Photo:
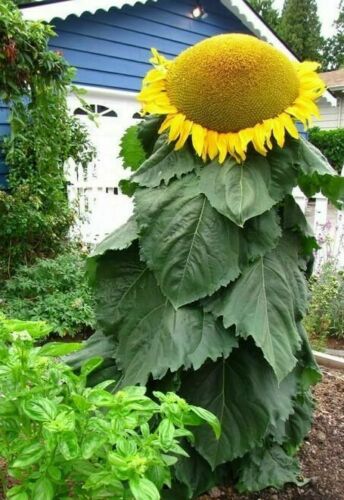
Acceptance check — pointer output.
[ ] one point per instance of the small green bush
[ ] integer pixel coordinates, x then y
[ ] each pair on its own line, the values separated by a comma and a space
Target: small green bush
53, 290
326, 309
61, 439
331, 144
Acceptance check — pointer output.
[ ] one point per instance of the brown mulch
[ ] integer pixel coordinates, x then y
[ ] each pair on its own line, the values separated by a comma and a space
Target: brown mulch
322, 455
334, 343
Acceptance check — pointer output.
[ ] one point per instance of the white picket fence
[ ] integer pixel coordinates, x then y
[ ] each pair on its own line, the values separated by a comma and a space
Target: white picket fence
101, 208
328, 225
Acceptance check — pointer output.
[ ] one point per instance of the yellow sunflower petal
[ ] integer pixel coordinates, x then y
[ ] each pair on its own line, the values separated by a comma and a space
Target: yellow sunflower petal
166, 123
222, 147
307, 67
157, 58
154, 75
310, 108
235, 146
198, 133
258, 139
268, 127
184, 134
278, 131
176, 126
289, 125
212, 144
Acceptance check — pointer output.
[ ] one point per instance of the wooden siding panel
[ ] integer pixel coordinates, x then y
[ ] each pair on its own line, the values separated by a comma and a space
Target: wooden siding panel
330, 117
97, 62
124, 37
93, 45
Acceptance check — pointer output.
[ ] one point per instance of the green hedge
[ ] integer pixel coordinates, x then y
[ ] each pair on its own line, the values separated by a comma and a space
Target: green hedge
331, 144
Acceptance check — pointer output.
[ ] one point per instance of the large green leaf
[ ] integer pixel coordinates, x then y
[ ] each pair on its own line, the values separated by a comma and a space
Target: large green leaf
192, 249
262, 234
317, 175
116, 274
310, 372
294, 220
97, 345
292, 432
120, 239
261, 305
215, 341
194, 472
154, 337
265, 467
241, 192
288, 253
165, 164
243, 393
147, 132
312, 160
131, 149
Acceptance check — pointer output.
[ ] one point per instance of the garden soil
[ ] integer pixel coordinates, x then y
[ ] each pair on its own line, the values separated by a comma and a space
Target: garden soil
321, 456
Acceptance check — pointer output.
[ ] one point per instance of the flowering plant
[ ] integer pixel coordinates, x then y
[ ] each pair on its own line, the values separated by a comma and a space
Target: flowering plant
204, 288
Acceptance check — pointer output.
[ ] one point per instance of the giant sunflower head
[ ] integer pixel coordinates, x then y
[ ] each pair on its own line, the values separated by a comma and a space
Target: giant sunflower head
229, 91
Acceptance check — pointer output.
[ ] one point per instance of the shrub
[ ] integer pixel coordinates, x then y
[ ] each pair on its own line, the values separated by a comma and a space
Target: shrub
326, 309
54, 290
34, 83
62, 439
331, 144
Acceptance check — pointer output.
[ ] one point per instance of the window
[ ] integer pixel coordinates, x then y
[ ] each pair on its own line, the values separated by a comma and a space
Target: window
98, 109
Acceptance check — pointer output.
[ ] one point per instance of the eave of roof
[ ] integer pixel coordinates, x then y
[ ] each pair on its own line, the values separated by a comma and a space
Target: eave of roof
61, 10
334, 79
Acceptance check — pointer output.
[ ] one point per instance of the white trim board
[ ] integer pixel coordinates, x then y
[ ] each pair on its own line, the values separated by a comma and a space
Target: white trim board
99, 91
61, 10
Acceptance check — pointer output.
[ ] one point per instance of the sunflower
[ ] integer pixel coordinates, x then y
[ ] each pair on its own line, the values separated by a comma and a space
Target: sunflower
229, 91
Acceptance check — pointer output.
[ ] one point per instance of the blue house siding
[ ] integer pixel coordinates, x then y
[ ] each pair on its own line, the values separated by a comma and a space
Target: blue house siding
112, 49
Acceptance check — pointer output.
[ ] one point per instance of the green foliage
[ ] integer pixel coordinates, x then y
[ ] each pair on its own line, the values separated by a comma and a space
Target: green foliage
53, 290
204, 291
261, 304
131, 149
241, 192
300, 28
34, 214
333, 53
186, 241
151, 174
331, 144
245, 414
317, 175
265, 8
267, 467
325, 316
60, 438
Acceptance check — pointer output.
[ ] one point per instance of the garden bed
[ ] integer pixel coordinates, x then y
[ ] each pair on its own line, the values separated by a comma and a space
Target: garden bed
322, 455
